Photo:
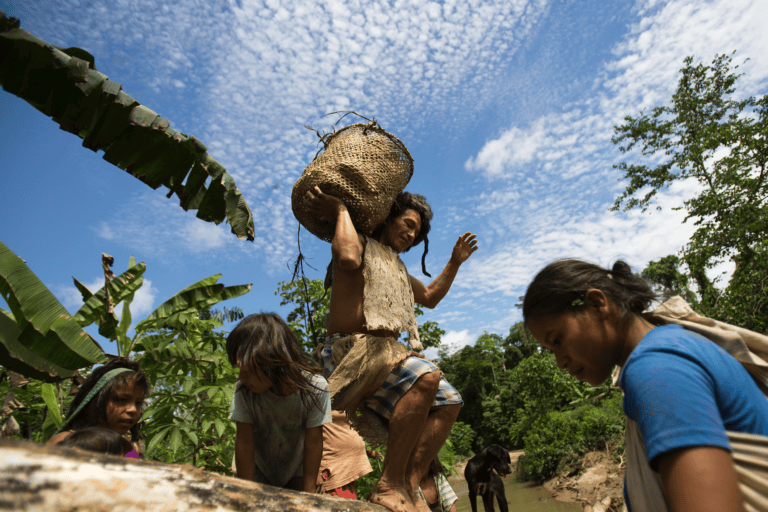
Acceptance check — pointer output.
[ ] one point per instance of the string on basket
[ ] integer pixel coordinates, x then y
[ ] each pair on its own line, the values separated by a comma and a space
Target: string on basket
299, 268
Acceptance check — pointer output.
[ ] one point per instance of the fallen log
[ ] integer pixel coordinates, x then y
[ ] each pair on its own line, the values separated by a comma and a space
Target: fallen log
36, 477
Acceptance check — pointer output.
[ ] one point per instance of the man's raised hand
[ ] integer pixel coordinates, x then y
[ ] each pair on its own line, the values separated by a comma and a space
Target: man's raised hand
325, 205
465, 246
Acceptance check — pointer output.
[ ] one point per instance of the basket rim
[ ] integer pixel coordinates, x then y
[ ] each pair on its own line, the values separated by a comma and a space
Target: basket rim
366, 126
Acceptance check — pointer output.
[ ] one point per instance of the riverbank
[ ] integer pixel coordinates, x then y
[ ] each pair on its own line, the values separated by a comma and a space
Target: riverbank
595, 486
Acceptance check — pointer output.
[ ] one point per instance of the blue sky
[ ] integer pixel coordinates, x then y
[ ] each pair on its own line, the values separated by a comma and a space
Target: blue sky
506, 106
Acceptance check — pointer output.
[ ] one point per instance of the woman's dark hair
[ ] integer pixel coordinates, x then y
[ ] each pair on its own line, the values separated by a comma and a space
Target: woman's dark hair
265, 341
562, 286
98, 439
418, 203
95, 413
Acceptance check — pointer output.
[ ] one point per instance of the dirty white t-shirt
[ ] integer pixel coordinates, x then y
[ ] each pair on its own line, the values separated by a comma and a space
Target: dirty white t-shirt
279, 424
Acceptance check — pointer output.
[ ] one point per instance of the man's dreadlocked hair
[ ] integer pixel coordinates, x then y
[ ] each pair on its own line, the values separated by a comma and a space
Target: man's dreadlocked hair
418, 203
404, 201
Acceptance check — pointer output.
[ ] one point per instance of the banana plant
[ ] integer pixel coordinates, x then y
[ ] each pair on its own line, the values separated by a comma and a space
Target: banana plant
174, 313
63, 83
38, 337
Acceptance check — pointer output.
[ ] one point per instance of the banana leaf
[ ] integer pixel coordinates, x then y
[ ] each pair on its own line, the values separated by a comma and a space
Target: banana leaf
64, 84
120, 288
195, 297
48, 343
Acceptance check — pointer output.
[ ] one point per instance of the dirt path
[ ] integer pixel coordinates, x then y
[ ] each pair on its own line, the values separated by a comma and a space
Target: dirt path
597, 486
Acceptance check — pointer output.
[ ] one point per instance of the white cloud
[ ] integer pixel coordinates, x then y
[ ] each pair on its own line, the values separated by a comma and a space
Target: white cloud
143, 300
552, 181
452, 341
104, 231
201, 236
71, 297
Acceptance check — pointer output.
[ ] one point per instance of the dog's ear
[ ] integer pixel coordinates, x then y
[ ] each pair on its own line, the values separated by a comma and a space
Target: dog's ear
499, 452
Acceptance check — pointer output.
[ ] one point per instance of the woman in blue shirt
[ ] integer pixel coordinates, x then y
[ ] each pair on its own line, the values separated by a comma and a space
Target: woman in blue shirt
681, 390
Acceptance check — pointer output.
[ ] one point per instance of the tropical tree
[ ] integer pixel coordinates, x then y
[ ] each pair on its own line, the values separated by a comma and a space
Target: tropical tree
667, 279
708, 136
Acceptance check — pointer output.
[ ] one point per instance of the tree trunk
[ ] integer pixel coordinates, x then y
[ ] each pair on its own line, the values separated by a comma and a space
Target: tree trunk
57, 479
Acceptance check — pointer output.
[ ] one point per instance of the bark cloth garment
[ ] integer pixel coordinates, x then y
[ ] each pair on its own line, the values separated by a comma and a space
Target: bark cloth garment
378, 371
749, 452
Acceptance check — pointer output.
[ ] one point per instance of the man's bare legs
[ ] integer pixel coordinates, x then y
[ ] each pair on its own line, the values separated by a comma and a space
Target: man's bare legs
405, 428
432, 438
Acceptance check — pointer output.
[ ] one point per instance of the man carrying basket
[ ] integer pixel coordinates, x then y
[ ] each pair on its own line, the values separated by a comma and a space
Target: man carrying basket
371, 301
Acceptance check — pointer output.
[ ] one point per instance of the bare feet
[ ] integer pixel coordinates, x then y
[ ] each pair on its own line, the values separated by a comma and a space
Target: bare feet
395, 498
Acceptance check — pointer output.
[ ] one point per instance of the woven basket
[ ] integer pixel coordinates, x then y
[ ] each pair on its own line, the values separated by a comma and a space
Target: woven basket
362, 165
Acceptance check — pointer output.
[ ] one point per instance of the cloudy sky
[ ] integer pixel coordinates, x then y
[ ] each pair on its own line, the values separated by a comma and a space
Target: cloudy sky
507, 107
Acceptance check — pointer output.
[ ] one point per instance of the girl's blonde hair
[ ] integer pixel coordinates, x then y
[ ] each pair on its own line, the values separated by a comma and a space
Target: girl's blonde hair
265, 341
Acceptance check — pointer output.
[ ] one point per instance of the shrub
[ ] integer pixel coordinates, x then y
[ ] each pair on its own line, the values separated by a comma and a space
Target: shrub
557, 438
461, 438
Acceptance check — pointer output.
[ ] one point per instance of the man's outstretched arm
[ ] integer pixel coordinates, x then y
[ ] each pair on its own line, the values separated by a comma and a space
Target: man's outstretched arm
347, 246
430, 296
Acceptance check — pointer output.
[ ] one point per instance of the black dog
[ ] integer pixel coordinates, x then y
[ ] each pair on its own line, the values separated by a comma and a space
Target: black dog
483, 481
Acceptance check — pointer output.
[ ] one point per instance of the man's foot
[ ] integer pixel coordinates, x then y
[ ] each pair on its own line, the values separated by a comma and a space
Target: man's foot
395, 498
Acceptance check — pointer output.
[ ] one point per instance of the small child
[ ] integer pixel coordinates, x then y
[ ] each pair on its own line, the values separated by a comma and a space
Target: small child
683, 393
280, 404
100, 440
111, 397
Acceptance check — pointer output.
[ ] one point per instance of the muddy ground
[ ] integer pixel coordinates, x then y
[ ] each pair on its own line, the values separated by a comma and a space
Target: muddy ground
596, 485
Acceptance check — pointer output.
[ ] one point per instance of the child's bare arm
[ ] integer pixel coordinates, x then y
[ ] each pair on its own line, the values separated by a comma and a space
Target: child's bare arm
244, 451
313, 454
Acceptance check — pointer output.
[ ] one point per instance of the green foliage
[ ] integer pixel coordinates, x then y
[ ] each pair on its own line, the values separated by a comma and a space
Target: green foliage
745, 301
33, 416
38, 337
183, 354
63, 83
718, 141
430, 333
667, 280
558, 438
365, 483
186, 421
536, 387
516, 396
461, 438
304, 293
506, 385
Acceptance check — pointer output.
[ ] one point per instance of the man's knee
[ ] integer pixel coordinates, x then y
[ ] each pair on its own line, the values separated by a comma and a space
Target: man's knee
431, 379
426, 384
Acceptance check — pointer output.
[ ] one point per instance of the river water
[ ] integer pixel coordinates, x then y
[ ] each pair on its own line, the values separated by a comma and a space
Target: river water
521, 497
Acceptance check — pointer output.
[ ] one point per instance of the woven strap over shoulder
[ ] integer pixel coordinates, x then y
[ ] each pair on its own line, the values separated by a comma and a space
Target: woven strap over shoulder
747, 347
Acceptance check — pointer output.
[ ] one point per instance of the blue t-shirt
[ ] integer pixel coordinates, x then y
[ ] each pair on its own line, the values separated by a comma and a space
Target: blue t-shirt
683, 390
